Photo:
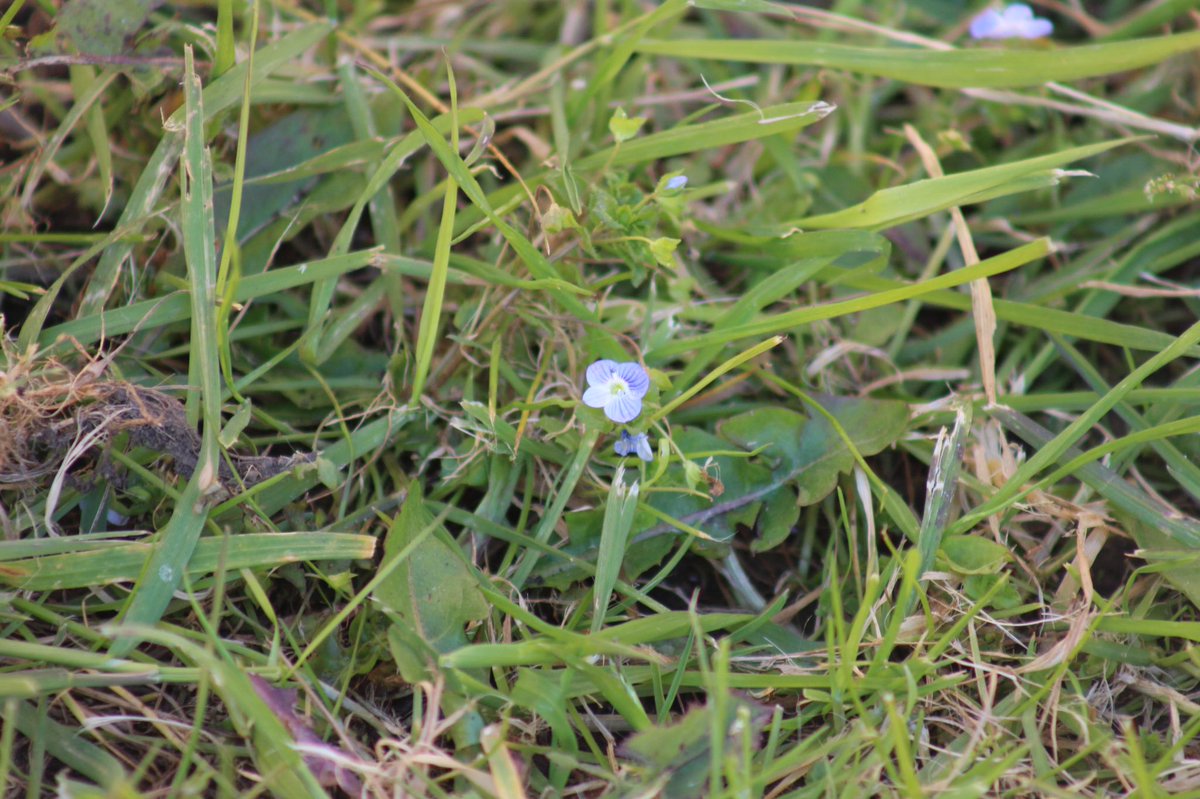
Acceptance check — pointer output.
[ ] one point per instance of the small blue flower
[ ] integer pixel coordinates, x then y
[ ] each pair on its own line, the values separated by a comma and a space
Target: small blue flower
618, 388
1014, 22
636, 444
677, 182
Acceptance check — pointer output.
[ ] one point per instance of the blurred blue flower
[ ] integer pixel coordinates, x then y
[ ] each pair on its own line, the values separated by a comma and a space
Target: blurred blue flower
677, 182
636, 444
618, 388
1014, 22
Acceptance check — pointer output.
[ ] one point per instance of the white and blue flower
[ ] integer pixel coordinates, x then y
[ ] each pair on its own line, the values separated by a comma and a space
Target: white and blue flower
618, 388
1013, 22
636, 444
676, 183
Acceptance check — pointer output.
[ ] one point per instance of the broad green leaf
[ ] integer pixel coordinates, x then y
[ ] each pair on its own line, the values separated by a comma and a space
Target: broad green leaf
738, 495
662, 249
286, 144
810, 449
804, 454
236, 424
682, 751
623, 127
958, 69
977, 586
779, 516
1178, 567
972, 554
102, 27
432, 592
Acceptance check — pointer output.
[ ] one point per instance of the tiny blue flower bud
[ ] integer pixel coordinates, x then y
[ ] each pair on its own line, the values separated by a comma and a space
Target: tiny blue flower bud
677, 182
636, 444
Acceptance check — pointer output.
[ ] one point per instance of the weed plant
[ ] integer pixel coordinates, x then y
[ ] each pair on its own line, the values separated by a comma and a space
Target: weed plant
624, 398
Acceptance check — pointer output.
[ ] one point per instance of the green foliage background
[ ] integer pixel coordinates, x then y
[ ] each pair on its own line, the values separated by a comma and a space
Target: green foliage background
298, 299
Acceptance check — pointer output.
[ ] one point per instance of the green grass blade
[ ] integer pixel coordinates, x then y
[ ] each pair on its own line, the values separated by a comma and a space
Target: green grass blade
1057, 448
941, 488
895, 206
782, 322
149, 314
1030, 314
563, 491
104, 565
1107, 483
431, 310
165, 568
618, 519
949, 69
222, 94
66, 744
690, 138
84, 103
533, 259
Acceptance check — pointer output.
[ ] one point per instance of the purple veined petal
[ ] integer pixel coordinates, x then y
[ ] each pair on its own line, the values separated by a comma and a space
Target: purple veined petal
597, 396
642, 441
984, 26
623, 407
624, 445
635, 377
600, 372
1037, 29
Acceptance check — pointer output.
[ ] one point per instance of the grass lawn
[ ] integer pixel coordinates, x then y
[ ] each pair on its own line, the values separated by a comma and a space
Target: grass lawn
625, 398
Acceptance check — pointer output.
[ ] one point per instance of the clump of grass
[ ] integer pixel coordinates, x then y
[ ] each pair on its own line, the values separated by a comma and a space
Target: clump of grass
300, 495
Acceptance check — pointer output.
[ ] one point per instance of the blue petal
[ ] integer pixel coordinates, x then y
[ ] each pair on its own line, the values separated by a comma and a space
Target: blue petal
597, 396
984, 25
624, 407
1018, 14
624, 445
600, 372
635, 376
1038, 28
677, 182
643, 447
